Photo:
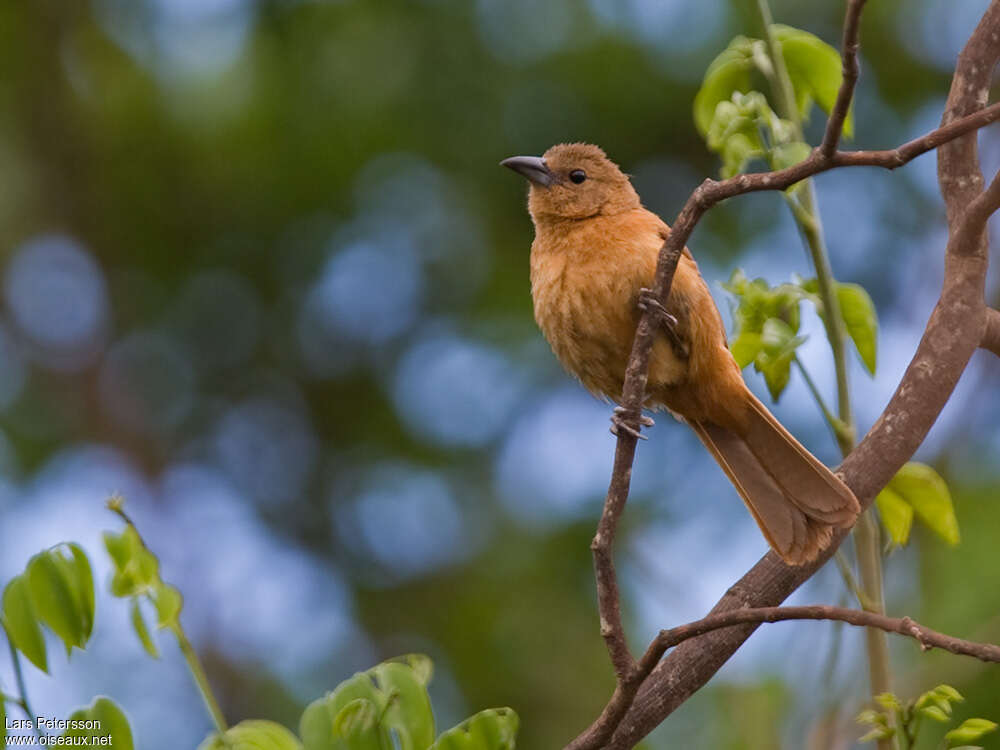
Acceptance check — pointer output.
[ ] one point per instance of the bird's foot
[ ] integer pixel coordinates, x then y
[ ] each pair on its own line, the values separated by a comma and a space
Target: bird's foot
649, 302
622, 417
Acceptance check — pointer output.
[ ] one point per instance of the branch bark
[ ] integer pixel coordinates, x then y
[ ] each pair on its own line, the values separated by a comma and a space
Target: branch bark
667, 639
991, 336
953, 332
926, 637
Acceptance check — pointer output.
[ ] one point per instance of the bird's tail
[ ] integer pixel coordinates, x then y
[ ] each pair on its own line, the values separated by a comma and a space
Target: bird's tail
795, 499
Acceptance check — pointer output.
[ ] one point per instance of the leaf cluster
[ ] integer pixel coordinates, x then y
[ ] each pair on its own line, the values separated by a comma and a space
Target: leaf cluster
766, 324
737, 120
901, 722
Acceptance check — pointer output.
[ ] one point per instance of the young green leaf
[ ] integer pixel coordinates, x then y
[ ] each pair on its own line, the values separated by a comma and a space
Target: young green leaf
492, 729
728, 72
21, 623
142, 630
356, 726
789, 154
136, 568
861, 321
896, 515
926, 491
969, 731
53, 599
408, 711
774, 361
252, 734
935, 712
746, 347
168, 602
815, 69
102, 718
317, 726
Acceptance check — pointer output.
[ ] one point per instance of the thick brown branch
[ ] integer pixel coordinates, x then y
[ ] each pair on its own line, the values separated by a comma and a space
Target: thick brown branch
991, 335
667, 639
849, 55
952, 334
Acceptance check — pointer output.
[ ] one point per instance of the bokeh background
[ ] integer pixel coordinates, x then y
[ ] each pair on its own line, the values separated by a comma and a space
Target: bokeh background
262, 275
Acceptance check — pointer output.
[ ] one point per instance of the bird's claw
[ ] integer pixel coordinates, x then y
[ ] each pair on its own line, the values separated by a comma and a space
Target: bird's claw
648, 301
620, 421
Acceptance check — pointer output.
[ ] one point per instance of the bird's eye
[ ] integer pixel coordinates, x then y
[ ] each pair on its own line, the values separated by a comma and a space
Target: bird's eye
577, 176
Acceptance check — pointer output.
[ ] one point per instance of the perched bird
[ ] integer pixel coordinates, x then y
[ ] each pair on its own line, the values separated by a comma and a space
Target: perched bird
592, 263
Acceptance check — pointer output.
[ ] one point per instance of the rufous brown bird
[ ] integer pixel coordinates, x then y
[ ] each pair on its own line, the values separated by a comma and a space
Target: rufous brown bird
592, 263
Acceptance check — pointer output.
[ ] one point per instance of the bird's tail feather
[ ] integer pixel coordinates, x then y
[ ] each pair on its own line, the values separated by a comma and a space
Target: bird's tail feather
795, 499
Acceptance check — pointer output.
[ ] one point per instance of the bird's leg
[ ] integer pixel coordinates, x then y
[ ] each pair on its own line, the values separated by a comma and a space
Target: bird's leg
649, 302
621, 418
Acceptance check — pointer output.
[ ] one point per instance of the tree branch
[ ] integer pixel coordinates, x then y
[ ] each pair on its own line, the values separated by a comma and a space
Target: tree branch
954, 331
926, 637
667, 639
991, 336
849, 70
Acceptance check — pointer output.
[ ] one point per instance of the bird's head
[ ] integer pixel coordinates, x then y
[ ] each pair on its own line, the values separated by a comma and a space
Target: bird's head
574, 181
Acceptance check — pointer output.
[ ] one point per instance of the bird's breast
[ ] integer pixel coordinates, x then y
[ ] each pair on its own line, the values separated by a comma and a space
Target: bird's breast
585, 305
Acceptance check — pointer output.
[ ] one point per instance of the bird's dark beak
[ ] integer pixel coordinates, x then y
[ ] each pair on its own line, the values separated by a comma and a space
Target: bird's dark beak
531, 167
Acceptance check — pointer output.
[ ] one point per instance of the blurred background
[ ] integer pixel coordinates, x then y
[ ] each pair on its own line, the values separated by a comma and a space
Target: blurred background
262, 275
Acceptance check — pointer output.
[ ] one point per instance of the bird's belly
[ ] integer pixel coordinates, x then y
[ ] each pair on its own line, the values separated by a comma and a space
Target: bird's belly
595, 348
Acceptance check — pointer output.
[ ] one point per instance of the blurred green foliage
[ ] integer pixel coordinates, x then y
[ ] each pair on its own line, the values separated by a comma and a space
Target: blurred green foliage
224, 165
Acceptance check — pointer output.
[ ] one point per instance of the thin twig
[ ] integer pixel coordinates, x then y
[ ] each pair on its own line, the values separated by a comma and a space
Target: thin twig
849, 67
991, 334
926, 637
22, 688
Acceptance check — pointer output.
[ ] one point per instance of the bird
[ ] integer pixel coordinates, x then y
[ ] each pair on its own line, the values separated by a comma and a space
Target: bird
592, 265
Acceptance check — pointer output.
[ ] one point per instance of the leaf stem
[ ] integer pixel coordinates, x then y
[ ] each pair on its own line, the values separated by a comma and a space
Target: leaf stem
200, 678
22, 689
807, 216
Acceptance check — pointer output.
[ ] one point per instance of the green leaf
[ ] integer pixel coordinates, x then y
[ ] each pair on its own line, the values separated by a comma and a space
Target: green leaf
774, 360
492, 729
21, 622
252, 734
877, 733
871, 716
728, 72
738, 151
102, 718
52, 596
317, 725
141, 630
861, 321
84, 579
857, 311
935, 712
896, 515
422, 666
169, 602
969, 731
789, 154
889, 702
815, 69
408, 710
926, 491
357, 726
746, 347
136, 568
